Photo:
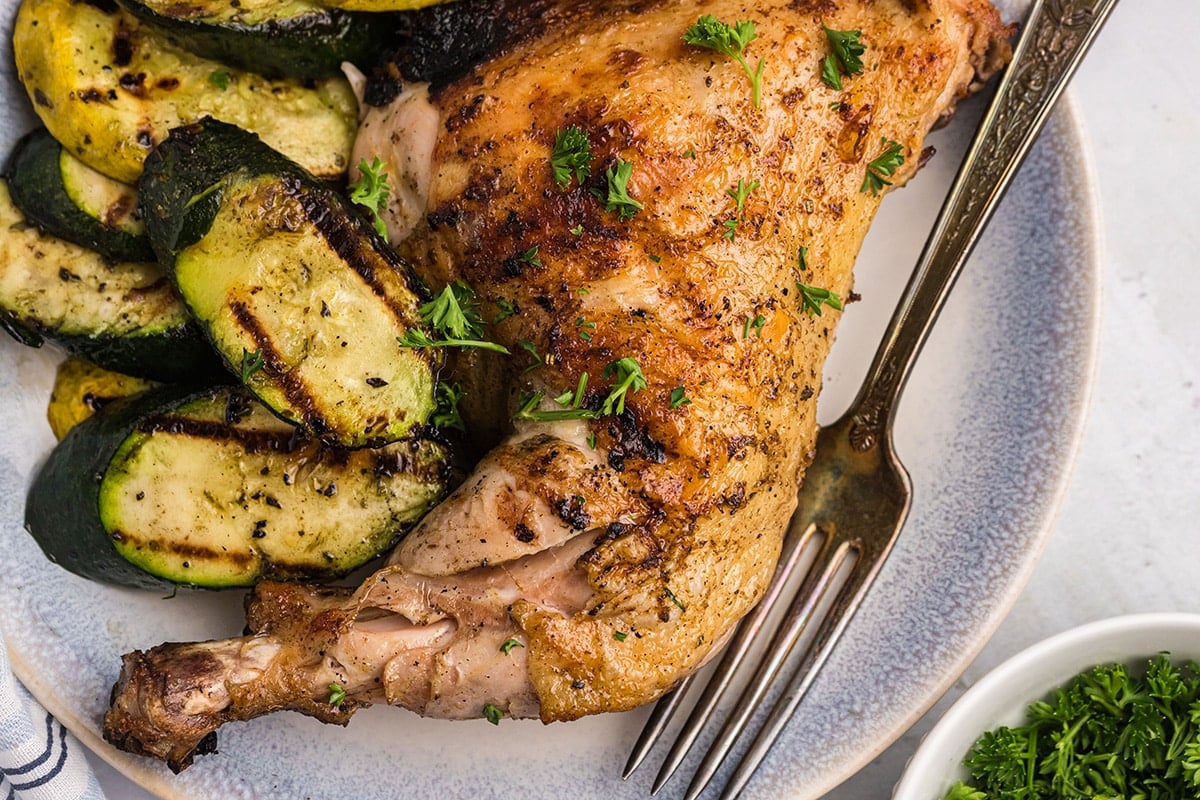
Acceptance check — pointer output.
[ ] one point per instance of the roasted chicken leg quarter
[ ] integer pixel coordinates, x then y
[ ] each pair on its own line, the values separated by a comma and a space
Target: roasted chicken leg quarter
708, 242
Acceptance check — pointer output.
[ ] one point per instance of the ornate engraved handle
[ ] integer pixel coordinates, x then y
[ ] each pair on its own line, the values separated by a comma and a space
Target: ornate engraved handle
1056, 35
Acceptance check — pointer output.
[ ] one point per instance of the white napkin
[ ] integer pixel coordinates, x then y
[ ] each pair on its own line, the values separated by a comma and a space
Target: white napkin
39, 760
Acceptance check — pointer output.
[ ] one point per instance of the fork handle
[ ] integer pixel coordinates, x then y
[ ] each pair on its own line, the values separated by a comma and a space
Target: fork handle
1056, 36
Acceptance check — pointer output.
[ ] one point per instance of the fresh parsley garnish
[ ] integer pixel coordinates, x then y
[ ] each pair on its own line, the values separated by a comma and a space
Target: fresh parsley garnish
880, 168
446, 414
509, 645
739, 194
371, 191
529, 411
572, 155
845, 58
629, 379
531, 348
802, 258
252, 362
813, 297
615, 194
674, 599
585, 328
506, 310
712, 34
756, 322
1106, 734
337, 695
679, 397
454, 315
492, 714
530, 257
219, 79
620, 636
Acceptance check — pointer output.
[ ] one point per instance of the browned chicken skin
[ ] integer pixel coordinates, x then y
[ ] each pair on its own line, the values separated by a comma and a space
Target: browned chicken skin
617, 552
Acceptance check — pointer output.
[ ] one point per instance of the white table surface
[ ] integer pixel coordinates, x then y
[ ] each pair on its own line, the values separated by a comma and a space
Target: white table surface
1126, 539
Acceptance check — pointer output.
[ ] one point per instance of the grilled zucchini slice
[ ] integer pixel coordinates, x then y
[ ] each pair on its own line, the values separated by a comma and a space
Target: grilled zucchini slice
293, 38
125, 316
294, 288
211, 489
70, 200
81, 389
109, 89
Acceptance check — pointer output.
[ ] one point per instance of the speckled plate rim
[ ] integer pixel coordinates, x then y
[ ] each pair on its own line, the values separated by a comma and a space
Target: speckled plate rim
779, 781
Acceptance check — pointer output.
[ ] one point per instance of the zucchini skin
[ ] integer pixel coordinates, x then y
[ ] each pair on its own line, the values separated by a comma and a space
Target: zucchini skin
61, 509
239, 286
36, 185
141, 330
306, 42
206, 488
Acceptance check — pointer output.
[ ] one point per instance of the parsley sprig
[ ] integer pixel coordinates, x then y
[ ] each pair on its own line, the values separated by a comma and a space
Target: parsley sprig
371, 191
629, 379
625, 371
712, 34
739, 194
813, 297
882, 167
446, 414
1107, 734
572, 155
845, 57
454, 315
615, 194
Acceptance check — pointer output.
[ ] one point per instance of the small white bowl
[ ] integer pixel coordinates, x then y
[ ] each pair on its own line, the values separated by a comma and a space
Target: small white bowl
1002, 696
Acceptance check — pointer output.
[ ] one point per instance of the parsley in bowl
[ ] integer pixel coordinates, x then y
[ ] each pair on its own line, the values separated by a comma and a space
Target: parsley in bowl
1107, 710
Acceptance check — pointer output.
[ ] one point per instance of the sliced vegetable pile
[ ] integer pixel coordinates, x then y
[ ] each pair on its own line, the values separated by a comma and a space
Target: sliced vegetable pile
238, 405
1108, 734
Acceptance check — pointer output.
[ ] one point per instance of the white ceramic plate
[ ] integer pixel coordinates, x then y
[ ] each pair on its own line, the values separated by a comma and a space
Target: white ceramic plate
988, 430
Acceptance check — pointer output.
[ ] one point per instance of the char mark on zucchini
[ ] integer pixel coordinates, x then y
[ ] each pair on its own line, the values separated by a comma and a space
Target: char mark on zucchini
163, 488
294, 288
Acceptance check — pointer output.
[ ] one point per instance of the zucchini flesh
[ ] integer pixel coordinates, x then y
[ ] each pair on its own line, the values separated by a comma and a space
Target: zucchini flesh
210, 489
292, 38
125, 316
66, 198
293, 287
109, 89
81, 389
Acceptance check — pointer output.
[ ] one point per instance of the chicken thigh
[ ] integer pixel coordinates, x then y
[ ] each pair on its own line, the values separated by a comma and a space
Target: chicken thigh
587, 564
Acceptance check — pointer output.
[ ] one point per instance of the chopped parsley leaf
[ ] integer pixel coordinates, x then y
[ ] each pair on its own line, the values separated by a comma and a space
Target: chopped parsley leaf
446, 414
620, 636
845, 58
679, 397
813, 297
507, 309
509, 645
572, 155
615, 195
712, 34
337, 695
674, 599
371, 191
252, 362
492, 714
629, 378
882, 167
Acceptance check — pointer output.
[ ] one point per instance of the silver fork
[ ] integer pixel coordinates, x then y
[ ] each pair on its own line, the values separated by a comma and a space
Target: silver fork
856, 493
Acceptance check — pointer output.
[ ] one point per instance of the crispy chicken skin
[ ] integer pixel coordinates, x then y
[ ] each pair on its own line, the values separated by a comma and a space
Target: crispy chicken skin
618, 551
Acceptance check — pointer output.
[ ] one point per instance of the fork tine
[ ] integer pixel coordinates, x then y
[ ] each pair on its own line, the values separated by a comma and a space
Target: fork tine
659, 718
812, 590
793, 548
846, 602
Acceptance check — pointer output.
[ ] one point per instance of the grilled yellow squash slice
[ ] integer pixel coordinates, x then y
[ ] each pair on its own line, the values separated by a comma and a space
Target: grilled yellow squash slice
109, 89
